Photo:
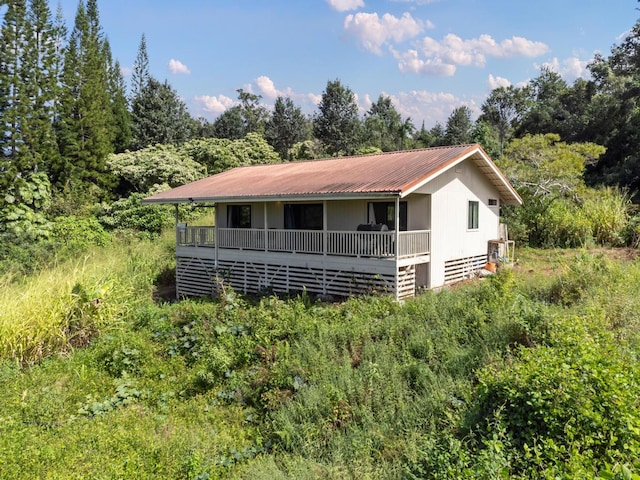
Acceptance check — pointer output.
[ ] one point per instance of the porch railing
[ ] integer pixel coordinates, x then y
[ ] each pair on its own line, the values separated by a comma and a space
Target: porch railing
341, 243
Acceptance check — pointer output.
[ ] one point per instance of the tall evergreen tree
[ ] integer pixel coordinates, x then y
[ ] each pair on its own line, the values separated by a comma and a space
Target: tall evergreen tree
42, 84
86, 117
286, 127
122, 135
140, 75
159, 116
337, 125
459, 127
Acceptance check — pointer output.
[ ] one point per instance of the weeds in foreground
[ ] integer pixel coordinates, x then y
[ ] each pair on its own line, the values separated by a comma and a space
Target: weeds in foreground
475, 382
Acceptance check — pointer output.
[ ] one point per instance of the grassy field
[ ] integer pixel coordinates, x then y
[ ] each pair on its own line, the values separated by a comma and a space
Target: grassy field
532, 373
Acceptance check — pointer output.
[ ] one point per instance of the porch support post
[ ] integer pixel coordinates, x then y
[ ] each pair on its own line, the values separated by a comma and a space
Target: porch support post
266, 228
215, 235
177, 221
324, 246
397, 242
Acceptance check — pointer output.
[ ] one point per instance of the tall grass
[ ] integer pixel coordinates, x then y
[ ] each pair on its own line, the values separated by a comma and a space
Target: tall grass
65, 305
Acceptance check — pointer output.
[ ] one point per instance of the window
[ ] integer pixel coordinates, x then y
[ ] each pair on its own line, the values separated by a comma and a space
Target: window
493, 202
385, 212
303, 216
238, 216
472, 223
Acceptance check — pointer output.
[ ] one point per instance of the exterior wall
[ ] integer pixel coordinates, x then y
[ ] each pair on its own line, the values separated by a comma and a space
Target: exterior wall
418, 212
342, 215
450, 237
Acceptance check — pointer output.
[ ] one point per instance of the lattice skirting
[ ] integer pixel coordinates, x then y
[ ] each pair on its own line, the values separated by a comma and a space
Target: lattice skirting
463, 268
198, 277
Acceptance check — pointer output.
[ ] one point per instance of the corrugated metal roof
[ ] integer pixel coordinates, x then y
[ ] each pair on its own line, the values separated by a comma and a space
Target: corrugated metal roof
395, 173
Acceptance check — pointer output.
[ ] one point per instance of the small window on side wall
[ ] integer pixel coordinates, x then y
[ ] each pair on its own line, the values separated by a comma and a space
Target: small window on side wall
238, 216
493, 202
472, 218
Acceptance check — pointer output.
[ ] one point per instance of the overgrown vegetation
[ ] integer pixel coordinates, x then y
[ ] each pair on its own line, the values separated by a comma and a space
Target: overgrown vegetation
522, 375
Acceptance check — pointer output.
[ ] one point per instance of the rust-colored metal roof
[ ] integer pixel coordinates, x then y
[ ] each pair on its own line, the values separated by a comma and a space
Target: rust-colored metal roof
393, 174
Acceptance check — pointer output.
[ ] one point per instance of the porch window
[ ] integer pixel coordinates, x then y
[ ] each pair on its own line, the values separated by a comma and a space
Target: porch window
239, 216
472, 223
303, 216
385, 212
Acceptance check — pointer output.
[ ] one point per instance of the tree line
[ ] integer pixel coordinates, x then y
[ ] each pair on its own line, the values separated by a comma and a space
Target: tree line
66, 110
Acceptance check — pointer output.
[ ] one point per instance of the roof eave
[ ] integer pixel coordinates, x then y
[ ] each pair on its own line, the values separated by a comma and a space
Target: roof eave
272, 198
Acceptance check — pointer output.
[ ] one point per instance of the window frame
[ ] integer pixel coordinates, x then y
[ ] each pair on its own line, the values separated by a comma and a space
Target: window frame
473, 215
301, 216
389, 209
239, 216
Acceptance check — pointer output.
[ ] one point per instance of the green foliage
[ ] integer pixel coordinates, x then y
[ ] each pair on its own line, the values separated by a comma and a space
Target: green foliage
22, 210
508, 377
155, 165
130, 214
77, 234
286, 127
607, 210
337, 124
219, 155
159, 116
569, 403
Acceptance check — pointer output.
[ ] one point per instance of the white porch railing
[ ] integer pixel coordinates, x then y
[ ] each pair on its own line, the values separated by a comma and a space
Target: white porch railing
341, 243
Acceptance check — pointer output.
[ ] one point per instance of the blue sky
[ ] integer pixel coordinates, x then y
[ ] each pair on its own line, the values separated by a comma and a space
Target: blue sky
429, 56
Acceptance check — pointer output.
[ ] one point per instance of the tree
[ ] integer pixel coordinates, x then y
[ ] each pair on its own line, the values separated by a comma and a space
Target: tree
85, 126
422, 138
159, 116
337, 124
140, 75
230, 124
382, 125
459, 125
254, 115
27, 94
122, 134
286, 127
555, 107
502, 110
549, 175
247, 117
220, 154
141, 170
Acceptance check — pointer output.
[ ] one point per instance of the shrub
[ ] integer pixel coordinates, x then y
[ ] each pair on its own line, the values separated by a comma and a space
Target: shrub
129, 213
569, 403
607, 210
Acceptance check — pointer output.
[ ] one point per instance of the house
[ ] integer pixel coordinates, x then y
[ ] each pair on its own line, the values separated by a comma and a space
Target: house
390, 222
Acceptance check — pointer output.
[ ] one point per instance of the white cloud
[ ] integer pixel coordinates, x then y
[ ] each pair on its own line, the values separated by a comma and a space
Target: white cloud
126, 71
345, 5
373, 31
569, 69
441, 57
267, 87
214, 105
177, 67
457, 51
496, 82
410, 62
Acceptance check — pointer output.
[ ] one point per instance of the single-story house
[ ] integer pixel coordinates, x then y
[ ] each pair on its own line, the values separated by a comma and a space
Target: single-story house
389, 222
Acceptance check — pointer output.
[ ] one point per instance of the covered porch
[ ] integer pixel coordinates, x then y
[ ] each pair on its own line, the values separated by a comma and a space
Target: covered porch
369, 244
